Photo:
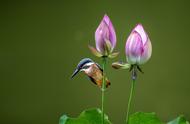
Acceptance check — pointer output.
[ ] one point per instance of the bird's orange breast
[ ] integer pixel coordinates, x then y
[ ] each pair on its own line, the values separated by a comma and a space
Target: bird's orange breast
97, 75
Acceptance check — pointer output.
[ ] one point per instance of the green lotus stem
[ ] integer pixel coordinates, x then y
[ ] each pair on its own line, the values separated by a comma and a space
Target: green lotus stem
129, 101
103, 86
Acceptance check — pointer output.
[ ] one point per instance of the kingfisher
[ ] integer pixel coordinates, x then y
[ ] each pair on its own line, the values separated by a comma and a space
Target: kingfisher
93, 70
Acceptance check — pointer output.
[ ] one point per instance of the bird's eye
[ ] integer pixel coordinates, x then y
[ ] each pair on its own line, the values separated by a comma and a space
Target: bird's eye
85, 67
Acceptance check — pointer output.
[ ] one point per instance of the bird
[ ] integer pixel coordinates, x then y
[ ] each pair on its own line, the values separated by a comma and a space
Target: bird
93, 70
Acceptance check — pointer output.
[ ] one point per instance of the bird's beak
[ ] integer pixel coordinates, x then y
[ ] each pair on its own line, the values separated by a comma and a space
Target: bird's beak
75, 73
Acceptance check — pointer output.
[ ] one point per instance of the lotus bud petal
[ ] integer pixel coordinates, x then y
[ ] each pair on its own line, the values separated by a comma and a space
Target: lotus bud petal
138, 46
105, 33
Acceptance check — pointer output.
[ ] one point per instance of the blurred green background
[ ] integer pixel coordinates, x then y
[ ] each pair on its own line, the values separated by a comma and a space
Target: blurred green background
41, 42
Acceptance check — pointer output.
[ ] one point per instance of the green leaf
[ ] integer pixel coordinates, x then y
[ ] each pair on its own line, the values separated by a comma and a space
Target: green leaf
63, 119
90, 116
179, 120
144, 118
121, 65
94, 51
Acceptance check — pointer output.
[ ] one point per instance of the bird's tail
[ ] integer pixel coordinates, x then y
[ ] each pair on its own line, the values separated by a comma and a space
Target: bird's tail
107, 83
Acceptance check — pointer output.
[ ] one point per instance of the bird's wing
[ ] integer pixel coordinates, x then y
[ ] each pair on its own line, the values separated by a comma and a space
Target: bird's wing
99, 67
92, 80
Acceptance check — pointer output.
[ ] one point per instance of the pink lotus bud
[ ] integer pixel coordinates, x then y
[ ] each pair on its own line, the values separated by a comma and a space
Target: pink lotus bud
105, 36
138, 46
